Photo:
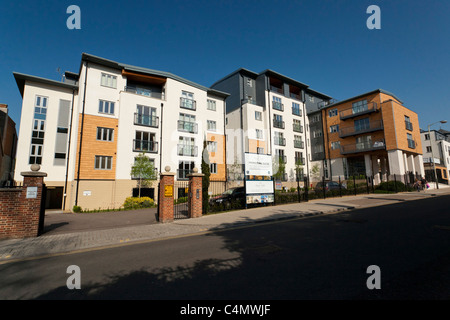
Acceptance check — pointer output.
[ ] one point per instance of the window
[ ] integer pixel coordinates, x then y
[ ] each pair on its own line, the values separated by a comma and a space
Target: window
185, 168
211, 125
103, 163
297, 126
317, 134
258, 115
335, 145
145, 141
249, 82
428, 149
362, 124
277, 104
332, 112
105, 134
278, 121
109, 80
106, 107
359, 106
38, 129
35, 154
212, 146
259, 134
211, 105
334, 128
427, 136
187, 123
187, 100
315, 118
40, 106
296, 109
213, 167
186, 147
311, 98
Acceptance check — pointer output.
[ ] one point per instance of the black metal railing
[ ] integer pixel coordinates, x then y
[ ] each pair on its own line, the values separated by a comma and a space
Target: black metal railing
278, 105
278, 124
359, 110
297, 127
146, 120
371, 126
363, 147
408, 125
279, 141
299, 144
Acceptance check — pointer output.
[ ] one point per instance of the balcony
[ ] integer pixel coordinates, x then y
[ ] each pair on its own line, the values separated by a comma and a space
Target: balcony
182, 174
188, 103
278, 141
276, 89
145, 146
411, 144
300, 161
359, 129
363, 147
189, 151
278, 124
281, 158
299, 144
144, 92
145, 120
297, 128
408, 125
296, 111
295, 96
358, 111
187, 126
277, 105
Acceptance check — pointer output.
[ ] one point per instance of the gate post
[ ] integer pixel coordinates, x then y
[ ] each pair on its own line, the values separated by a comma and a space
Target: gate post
195, 196
165, 196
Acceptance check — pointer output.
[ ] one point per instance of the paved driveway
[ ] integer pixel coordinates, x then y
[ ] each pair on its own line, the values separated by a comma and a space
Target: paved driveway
57, 222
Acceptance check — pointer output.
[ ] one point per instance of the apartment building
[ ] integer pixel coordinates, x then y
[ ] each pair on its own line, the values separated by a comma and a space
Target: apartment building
8, 145
371, 134
436, 145
266, 114
87, 130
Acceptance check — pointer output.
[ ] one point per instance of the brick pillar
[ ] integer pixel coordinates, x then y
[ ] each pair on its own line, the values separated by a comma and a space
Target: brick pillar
195, 194
165, 196
20, 208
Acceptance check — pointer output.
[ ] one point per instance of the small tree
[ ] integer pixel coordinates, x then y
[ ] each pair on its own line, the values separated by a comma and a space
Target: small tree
205, 179
315, 171
280, 169
143, 169
299, 168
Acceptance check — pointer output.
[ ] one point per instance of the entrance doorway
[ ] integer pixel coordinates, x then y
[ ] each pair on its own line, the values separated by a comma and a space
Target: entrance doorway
54, 197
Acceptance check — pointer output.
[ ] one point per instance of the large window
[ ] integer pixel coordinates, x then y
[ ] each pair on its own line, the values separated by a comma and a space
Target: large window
211, 105
109, 80
145, 142
103, 163
362, 124
211, 125
146, 116
258, 115
212, 146
105, 134
40, 106
36, 154
184, 168
334, 128
187, 100
359, 106
187, 123
332, 112
106, 107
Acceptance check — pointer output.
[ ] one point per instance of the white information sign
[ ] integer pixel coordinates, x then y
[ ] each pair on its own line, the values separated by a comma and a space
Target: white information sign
32, 192
258, 164
259, 187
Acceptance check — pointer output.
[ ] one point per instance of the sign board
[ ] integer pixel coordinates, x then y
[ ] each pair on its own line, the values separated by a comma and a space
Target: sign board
87, 193
168, 191
32, 192
259, 186
263, 198
278, 185
258, 164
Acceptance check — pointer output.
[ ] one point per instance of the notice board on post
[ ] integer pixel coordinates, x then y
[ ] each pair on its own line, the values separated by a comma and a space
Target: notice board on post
260, 188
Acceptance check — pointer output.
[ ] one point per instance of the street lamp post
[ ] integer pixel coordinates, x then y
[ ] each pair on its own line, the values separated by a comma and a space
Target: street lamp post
432, 155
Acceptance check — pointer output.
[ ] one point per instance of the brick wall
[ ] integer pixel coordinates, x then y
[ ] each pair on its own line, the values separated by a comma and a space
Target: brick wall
166, 203
19, 216
194, 203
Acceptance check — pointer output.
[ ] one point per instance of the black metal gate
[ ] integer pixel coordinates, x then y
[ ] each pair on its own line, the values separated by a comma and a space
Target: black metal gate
42, 210
180, 200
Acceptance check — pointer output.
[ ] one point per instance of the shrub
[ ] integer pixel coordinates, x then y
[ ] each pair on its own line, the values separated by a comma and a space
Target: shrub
138, 203
391, 186
76, 209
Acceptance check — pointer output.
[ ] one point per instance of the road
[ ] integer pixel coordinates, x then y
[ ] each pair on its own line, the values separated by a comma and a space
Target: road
321, 257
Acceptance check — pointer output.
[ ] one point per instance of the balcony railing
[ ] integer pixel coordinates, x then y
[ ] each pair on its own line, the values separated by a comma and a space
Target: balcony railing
145, 120
182, 174
297, 111
411, 144
299, 144
357, 111
145, 146
279, 141
363, 147
282, 158
300, 161
359, 129
188, 103
187, 126
278, 105
408, 125
144, 92
278, 124
185, 150
276, 89
298, 128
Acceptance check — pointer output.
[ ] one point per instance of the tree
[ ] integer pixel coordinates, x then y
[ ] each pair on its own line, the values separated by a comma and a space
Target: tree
143, 169
205, 179
280, 168
299, 169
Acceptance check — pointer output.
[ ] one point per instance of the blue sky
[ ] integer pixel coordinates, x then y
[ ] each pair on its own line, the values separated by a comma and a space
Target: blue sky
324, 44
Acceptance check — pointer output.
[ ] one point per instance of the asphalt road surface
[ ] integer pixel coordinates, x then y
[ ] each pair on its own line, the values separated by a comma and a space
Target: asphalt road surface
323, 257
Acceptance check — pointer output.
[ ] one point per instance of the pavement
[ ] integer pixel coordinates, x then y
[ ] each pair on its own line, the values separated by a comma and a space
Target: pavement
72, 233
